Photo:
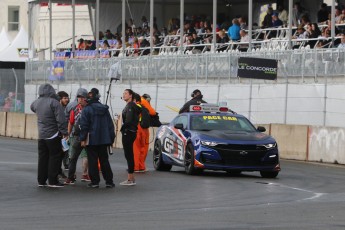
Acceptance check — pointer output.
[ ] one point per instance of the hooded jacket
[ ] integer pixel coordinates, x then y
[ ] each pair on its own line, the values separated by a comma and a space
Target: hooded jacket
50, 113
194, 101
96, 124
71, 106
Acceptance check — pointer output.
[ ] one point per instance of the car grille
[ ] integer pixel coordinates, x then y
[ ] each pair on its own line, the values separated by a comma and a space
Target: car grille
244, 155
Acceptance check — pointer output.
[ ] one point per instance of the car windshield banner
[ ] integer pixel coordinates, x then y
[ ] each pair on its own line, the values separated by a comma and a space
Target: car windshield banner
257, 68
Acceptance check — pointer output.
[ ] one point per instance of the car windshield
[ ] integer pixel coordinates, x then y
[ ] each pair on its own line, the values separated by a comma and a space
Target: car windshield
209, 122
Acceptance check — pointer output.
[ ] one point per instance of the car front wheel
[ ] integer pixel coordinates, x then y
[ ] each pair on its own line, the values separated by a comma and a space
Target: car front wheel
158, 162
189, 161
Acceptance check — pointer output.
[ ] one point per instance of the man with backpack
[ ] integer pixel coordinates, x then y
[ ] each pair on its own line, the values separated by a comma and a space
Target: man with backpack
74, 131
142, 141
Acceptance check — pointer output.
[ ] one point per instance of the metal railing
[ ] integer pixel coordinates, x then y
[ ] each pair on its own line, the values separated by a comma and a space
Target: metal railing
294, 65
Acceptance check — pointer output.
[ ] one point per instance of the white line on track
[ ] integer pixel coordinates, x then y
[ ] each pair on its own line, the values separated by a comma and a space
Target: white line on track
17, 163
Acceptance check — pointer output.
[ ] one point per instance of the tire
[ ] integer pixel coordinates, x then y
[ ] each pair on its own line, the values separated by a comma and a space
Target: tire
158, 163
189, 161
266, 174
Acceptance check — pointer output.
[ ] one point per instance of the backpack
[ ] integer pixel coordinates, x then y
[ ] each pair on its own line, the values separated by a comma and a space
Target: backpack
155, 122
145, 118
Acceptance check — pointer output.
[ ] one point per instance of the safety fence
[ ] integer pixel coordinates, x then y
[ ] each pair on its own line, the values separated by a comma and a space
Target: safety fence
301, 65
12, 96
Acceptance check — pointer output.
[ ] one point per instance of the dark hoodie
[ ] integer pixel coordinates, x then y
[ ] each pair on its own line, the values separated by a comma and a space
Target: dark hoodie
194, 101
96, 122
50, 113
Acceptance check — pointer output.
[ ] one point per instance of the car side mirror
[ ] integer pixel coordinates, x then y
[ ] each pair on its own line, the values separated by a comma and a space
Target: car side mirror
179, 126
261, 129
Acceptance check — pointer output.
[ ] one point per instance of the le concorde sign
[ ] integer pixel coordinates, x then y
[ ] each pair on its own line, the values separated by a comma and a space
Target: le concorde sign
257, 68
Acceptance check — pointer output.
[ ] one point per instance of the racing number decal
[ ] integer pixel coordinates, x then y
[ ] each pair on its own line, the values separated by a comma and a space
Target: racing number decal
173, 147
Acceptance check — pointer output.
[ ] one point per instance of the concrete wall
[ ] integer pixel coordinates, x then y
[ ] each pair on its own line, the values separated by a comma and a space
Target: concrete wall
31, 130
3, 116
292, 140
327, 144
15, 125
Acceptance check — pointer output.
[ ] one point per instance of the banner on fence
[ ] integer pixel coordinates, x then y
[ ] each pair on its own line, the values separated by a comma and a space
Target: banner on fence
257, 68
57, 71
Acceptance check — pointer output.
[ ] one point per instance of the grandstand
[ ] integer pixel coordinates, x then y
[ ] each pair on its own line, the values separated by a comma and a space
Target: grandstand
310, 70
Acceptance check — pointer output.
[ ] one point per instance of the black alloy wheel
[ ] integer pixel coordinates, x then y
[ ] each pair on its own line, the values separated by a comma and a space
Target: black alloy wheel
158, 163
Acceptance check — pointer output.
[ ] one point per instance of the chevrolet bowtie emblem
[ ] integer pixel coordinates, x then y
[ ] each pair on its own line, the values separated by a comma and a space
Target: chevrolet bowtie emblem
243, 153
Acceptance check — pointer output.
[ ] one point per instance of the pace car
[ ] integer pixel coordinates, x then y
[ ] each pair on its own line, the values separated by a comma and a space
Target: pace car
210, 137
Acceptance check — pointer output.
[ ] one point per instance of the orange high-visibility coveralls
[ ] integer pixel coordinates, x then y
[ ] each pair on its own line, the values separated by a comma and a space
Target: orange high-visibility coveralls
142, 141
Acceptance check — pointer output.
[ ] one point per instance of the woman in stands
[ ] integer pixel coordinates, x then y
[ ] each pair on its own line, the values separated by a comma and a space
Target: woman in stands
314, 32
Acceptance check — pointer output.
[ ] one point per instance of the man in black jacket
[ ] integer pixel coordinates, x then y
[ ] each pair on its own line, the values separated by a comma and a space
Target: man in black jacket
196, 100
97, 135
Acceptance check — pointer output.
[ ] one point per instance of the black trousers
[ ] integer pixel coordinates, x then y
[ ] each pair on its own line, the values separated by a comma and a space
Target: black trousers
95, 153
128, 139
49, 160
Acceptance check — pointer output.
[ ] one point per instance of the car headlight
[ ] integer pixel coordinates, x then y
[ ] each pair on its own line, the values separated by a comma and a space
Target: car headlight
270, 146
209, 143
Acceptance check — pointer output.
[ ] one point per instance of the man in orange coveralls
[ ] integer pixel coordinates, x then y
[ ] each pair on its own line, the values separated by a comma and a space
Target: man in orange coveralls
142, 141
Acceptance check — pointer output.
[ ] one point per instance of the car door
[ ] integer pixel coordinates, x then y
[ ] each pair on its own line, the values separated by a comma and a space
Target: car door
174, 142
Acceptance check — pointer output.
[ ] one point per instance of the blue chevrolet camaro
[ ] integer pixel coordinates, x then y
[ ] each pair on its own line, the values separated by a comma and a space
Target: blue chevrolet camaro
209, 137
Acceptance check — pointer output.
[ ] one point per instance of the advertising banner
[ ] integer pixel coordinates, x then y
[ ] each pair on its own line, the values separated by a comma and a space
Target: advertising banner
257, 68
57, 71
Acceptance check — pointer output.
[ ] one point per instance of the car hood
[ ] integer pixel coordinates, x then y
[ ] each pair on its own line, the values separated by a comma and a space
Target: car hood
228, 136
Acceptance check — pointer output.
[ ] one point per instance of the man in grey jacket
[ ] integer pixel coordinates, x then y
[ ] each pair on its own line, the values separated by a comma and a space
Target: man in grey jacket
52, 124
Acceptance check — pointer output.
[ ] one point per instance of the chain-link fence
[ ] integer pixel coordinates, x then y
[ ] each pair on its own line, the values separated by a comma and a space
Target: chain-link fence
12, 95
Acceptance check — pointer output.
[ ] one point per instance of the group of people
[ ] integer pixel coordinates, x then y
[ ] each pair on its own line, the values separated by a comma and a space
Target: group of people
88, 127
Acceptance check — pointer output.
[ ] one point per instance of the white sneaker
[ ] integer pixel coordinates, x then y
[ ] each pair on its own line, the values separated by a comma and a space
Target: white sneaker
128, 183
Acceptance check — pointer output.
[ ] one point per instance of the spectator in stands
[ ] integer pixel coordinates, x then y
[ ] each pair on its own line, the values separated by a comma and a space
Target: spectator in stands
135, 47
338, 16
283, 14
244, 38
222, 38
132, 25
90, 45
100, 35
109, 35
188, 29
142, 44
305, 20
298, 12
301, 33
322, 14
81, 45
276, 22
145, 23
267, 22
314, 33
105, 45
342, 44
243, 23
202, 29
197, 40
234, 30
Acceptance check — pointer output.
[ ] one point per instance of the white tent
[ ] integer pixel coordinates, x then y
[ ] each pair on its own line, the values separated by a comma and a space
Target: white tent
18, 50
4, 42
